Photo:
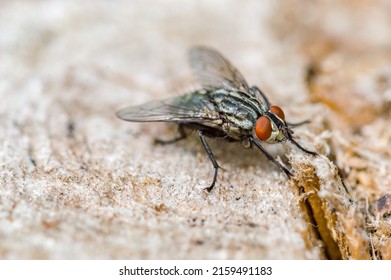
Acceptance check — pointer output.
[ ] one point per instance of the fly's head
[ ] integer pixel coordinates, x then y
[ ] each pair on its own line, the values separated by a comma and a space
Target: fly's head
272, 127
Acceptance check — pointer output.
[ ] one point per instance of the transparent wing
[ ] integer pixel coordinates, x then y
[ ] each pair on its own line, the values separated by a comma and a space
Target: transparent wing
190, 108
214, 71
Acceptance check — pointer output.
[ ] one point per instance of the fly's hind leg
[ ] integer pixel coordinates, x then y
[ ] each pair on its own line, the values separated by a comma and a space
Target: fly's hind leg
212, 159
181, 135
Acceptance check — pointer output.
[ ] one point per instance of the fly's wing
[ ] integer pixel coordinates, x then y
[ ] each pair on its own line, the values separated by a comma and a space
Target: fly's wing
214, 71
190, 108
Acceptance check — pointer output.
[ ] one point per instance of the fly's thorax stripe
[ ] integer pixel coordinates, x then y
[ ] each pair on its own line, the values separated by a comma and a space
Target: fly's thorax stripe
237, 107
240, 98
244, 123
251, 101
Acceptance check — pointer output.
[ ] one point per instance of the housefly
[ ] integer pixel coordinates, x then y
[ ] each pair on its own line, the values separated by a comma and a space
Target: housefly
225, 107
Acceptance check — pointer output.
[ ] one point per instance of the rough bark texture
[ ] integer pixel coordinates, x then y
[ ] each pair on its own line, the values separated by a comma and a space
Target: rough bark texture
76, 182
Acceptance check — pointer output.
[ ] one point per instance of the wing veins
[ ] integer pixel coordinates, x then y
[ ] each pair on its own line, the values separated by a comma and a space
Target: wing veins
170, 110
213, 70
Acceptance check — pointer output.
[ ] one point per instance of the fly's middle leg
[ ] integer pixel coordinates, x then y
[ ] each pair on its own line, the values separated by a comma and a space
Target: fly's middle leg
212, 159
182, 135
259, 93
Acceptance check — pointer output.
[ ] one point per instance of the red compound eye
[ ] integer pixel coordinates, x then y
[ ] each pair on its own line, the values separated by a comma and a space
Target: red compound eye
263, 128
278, 112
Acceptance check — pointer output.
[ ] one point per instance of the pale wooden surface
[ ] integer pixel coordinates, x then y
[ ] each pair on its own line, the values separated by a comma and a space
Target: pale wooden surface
76, 182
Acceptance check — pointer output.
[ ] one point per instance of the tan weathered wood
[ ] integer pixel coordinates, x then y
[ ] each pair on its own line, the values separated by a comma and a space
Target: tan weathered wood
76, 182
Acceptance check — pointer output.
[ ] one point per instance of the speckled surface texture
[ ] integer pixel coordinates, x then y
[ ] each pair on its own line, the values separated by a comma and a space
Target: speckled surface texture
78, 183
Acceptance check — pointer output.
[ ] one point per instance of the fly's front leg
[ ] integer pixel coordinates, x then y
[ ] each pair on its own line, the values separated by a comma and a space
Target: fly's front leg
301, 148
270, 157
212, 159
182, 135
297, 124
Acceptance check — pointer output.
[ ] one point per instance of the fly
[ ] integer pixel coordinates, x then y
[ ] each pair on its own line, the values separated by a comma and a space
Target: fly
225, 107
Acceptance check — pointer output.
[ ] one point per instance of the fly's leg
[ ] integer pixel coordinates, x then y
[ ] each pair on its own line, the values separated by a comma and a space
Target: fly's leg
182, 135
259, 92
297, 124
270, 157
301, 148
212, 159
